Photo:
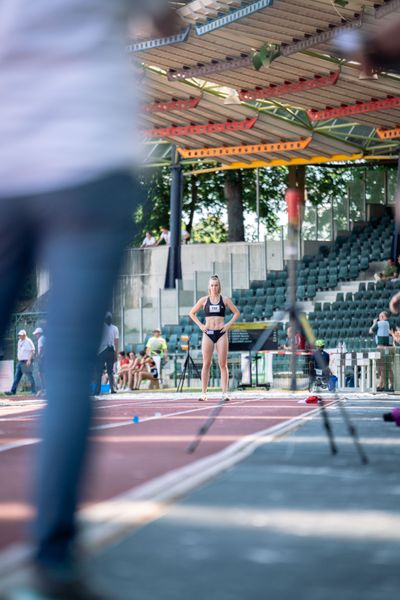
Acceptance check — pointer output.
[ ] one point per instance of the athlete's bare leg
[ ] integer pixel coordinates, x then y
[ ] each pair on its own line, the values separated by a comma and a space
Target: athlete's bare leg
207, 348
222, 351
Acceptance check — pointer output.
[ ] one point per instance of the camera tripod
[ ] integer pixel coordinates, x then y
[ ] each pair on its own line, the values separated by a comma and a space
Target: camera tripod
188, 362
298, 323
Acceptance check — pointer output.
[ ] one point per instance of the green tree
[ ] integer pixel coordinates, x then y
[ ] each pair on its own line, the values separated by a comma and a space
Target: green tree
211, 229
234, 193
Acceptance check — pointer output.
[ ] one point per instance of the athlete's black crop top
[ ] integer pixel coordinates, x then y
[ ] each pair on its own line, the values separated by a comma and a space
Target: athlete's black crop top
214, 310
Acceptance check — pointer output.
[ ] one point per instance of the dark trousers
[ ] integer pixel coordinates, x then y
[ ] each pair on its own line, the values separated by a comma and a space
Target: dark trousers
80, 233
41, 373
107, 358
23, 369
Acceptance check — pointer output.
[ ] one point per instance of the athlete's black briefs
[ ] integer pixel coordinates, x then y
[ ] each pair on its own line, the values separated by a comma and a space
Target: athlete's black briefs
214, 334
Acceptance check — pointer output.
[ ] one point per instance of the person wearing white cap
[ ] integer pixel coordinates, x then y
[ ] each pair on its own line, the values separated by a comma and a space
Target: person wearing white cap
107, 353
25, 354
41, 341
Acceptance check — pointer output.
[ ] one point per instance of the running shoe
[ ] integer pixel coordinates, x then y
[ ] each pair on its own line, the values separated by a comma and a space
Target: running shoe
203, 398
226, 397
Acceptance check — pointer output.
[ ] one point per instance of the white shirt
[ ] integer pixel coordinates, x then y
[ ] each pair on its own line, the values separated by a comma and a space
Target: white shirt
25, 348
41, 344
68, 100
109, 337
165, 236
149, 241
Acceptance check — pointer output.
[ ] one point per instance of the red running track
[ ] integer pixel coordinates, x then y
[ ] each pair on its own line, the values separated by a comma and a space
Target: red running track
124, 454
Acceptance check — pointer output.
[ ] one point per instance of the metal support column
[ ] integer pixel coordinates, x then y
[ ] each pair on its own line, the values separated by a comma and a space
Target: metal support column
265, 256
231, 274
174, 267
258, 204
141, 332
248, 265
159, 309
195, 286
177, 284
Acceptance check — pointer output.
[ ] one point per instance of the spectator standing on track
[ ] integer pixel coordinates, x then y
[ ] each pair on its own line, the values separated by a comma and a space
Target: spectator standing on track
157, 345
381, 328
319, 363
25, 354
41, 346
157, 348
108, 353
67, 152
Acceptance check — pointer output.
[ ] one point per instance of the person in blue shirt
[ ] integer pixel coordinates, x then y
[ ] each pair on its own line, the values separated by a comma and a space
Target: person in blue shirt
381, 328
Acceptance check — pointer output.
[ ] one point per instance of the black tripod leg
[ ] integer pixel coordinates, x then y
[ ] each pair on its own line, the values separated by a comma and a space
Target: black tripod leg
205, 427
303, 324
328, 427
182, 376
194, 367
353, 432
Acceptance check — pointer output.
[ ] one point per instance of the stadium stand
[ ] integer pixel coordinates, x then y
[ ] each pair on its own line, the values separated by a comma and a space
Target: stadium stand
348, 318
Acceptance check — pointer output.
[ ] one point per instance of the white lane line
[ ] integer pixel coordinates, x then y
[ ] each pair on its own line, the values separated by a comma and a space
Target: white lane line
110, 520
29, 442
15, 445
155, 418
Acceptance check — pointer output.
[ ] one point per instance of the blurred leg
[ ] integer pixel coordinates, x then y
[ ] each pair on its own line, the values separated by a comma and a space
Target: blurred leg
88, 228
17, 378
110, 357
31, 379
100, 360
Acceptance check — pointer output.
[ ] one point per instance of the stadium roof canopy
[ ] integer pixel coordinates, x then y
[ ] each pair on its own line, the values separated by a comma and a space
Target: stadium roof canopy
303, 105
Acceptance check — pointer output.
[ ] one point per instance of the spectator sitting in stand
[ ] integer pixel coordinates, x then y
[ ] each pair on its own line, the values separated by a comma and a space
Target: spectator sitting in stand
389, 272
149, 240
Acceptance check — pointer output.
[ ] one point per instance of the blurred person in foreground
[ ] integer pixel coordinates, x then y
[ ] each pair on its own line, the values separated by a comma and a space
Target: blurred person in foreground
69, 139
376, 51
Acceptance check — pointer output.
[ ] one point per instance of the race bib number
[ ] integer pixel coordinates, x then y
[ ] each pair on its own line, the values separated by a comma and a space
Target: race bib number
214, 308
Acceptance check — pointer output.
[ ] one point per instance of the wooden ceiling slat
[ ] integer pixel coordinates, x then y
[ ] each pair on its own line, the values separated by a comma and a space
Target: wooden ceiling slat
285, 20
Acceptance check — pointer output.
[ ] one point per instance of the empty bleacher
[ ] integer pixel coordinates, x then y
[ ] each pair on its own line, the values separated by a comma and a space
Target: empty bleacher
346, 319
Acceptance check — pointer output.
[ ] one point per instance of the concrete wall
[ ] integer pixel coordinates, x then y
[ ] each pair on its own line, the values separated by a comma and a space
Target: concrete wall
143, 273
140, 293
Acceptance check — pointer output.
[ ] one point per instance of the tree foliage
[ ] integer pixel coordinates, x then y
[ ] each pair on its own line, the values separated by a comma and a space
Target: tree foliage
210, 229
205, 202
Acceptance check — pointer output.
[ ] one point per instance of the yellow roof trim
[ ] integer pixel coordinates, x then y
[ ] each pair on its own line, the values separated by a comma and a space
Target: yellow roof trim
314, 160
